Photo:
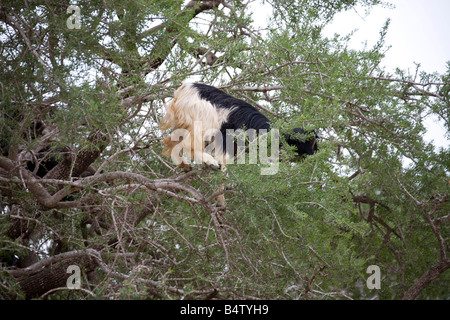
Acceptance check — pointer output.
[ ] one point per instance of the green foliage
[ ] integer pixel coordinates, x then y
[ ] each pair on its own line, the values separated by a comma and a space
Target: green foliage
375, 193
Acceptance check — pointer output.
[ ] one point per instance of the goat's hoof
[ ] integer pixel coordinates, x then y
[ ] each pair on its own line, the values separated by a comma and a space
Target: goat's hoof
214, 167
185, 167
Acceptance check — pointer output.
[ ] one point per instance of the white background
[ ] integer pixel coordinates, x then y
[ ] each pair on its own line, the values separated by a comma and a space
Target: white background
419, 32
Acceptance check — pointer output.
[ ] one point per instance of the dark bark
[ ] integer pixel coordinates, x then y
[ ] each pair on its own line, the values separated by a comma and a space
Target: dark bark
429, 276
96, 143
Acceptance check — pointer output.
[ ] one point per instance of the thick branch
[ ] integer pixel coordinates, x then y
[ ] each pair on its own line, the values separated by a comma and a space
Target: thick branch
426, 279
170, 187
33, 185
371, 202
51, 273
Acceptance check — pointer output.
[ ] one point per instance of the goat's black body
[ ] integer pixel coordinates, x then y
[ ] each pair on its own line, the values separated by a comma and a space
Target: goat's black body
304, 145
245, 116
242, 115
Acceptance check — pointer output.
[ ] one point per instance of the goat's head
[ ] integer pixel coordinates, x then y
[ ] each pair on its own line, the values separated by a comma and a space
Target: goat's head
304, 141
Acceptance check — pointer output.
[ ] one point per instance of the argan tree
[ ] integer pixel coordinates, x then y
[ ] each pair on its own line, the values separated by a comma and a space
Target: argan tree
83, 182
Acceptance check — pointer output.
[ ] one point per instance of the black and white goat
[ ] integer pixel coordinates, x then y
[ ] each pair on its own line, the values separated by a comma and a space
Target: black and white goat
199, 112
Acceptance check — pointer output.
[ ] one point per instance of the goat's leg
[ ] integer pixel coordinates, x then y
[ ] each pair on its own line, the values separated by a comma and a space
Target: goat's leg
220, 199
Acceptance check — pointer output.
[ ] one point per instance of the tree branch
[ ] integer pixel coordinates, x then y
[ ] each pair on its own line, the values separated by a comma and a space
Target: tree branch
51, 273
426, 279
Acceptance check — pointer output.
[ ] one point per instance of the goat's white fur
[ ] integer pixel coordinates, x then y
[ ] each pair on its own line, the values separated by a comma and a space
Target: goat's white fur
199, 120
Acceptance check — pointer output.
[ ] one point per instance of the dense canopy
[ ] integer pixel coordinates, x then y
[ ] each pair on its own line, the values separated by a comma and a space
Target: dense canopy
82, 90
